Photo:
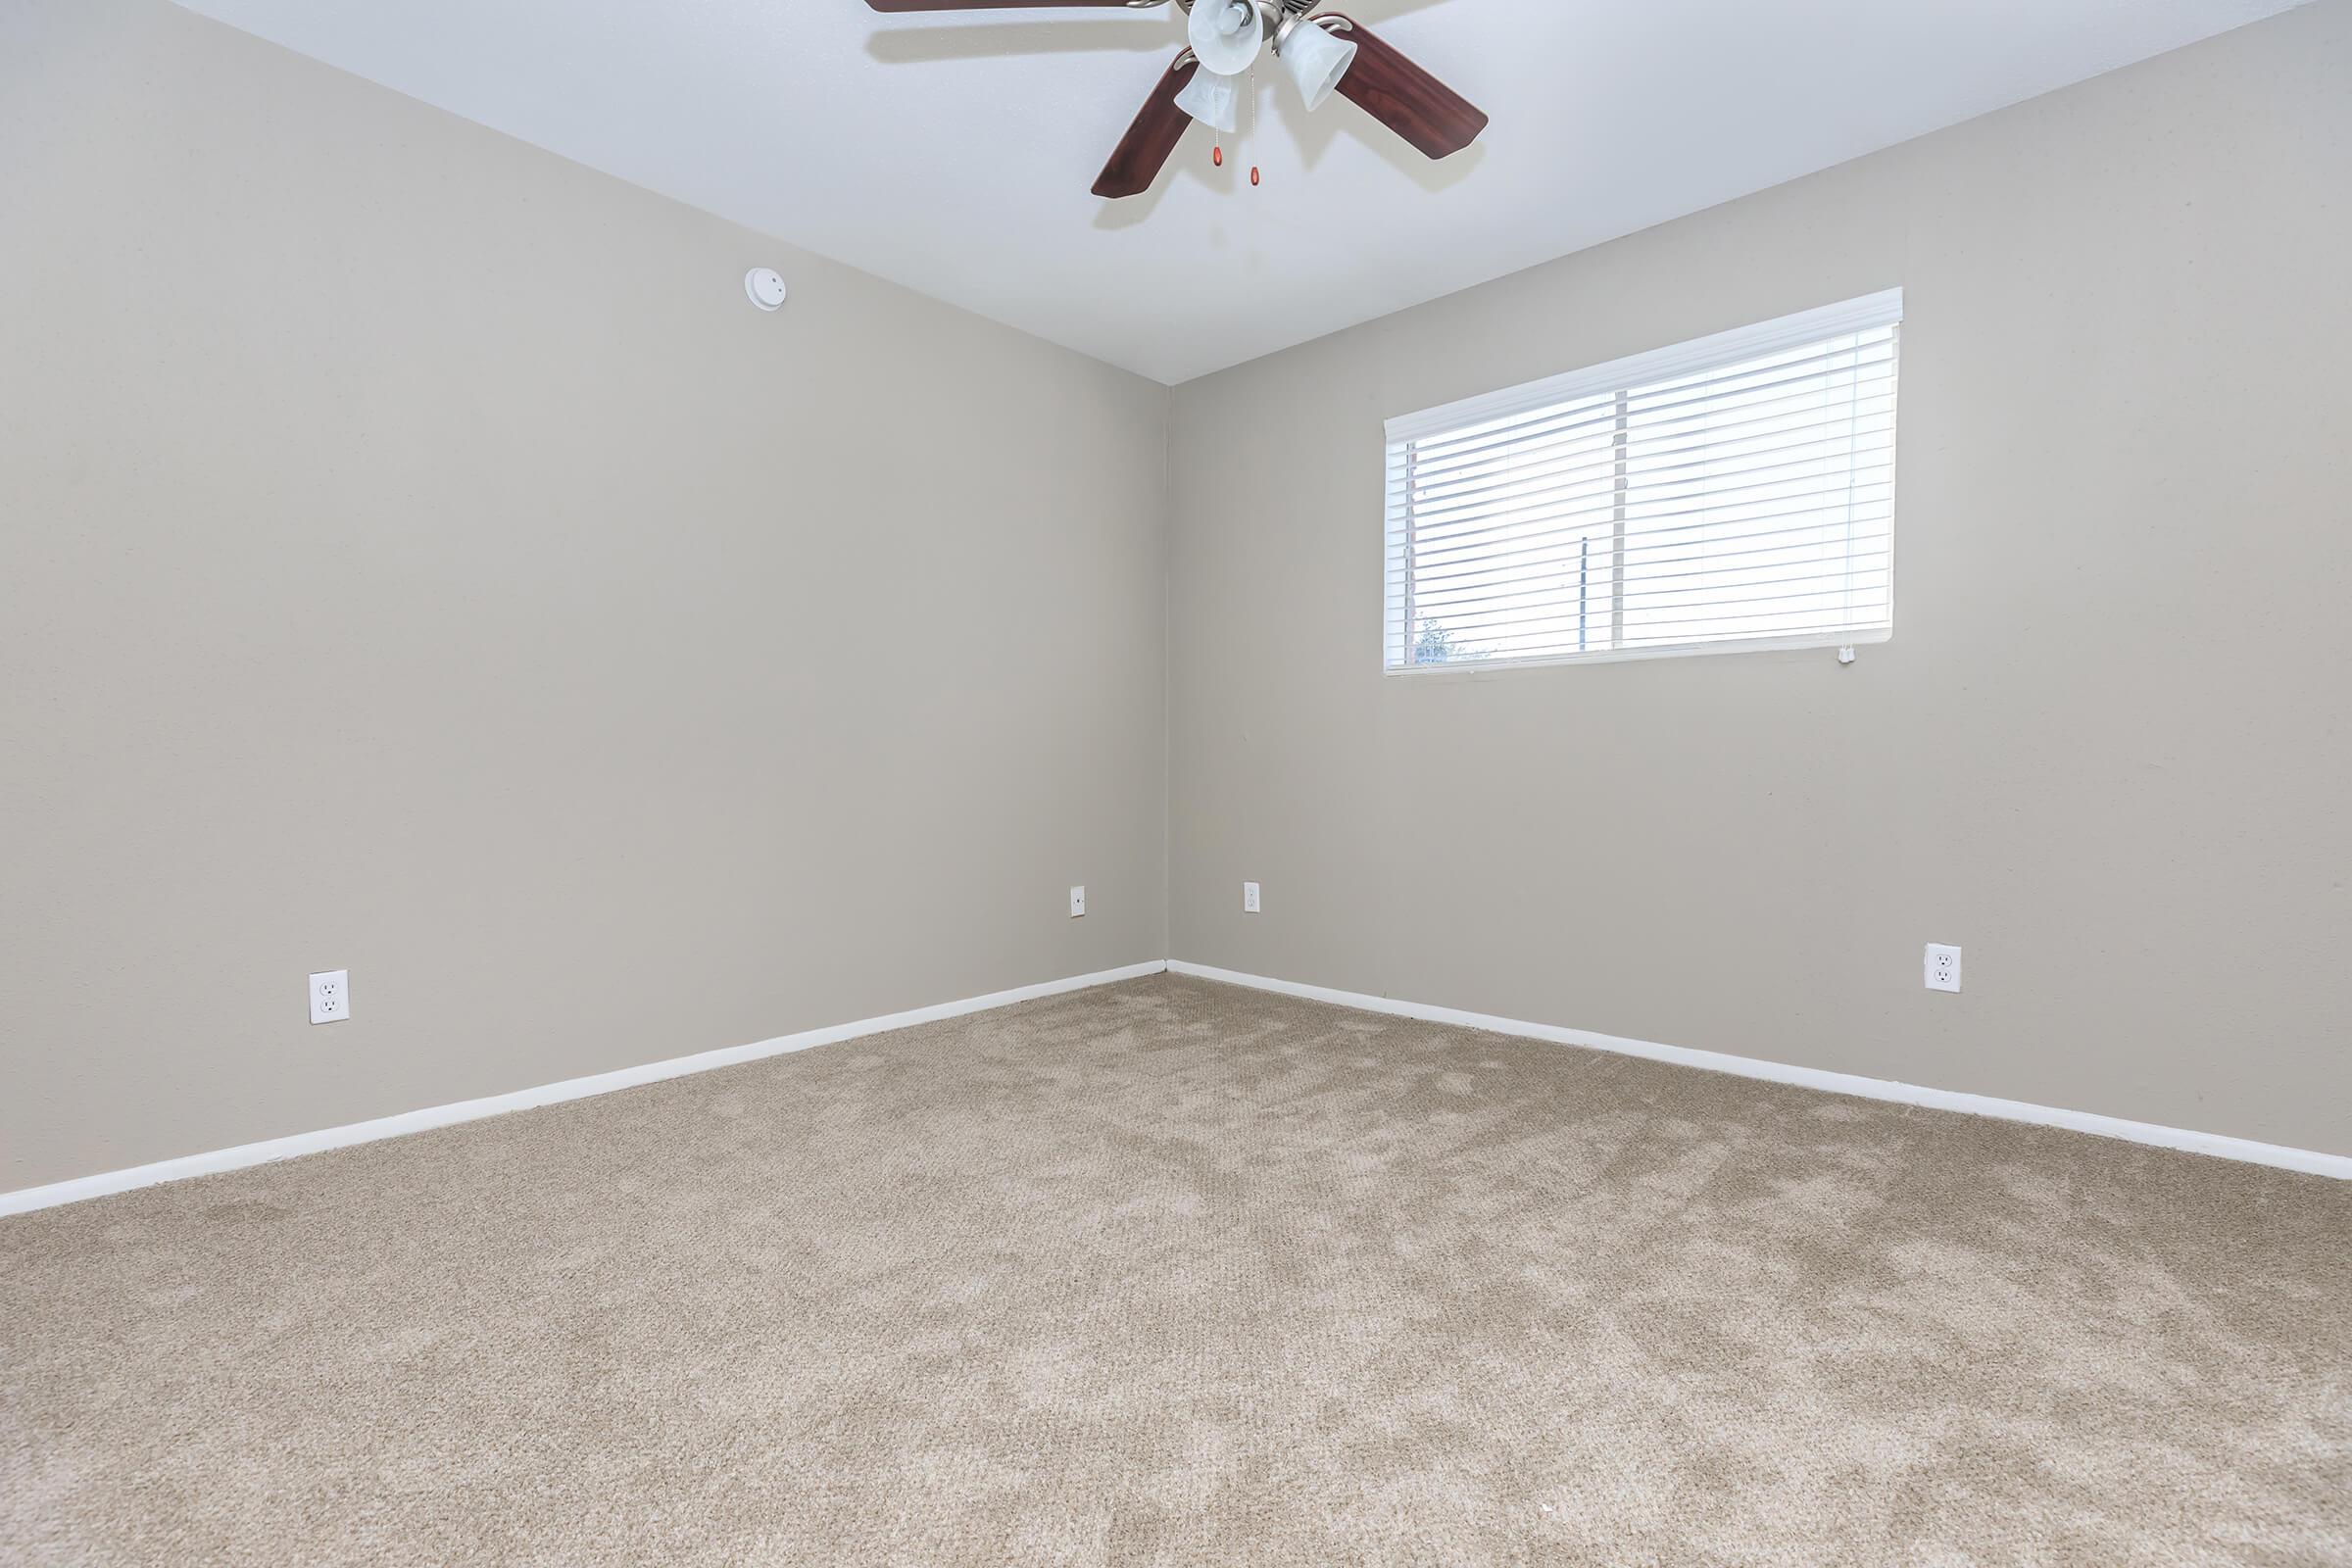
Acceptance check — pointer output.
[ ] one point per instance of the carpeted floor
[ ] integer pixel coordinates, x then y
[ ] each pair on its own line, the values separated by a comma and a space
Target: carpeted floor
1173, 1273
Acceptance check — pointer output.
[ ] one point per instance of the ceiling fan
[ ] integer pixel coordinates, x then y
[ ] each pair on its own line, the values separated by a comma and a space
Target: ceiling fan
1322, 53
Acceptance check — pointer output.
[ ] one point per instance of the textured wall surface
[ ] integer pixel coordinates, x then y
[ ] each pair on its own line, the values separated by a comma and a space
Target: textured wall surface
2106, 750
417, 556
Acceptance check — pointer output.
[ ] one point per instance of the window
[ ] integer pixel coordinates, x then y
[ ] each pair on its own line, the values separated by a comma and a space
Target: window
1735, 492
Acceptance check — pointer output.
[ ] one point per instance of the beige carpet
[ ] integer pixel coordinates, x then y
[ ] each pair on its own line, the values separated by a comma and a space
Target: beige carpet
1172, 1273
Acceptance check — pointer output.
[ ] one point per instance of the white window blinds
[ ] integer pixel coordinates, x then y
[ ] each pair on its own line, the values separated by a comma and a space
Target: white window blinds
1735, 492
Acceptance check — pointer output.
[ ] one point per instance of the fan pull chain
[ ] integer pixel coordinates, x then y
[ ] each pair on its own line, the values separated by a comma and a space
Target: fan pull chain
1253, 116
1216, 151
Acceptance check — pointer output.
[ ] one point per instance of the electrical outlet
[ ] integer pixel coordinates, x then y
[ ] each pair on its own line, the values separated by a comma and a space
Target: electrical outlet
1077, 902
331, 996
1943, 967
1249, 902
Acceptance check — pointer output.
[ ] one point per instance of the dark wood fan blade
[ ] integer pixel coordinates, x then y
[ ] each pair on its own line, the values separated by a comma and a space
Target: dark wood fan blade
1408, 100
1144, 151
994, 5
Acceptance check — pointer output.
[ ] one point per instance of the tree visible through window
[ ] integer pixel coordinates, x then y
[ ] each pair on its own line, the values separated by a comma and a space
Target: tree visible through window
1435, 645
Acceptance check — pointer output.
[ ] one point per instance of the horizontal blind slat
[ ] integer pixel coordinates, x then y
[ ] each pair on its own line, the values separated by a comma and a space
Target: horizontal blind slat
1862, 617
1880, 453
1599, 414
1647, 562
1778, 427
1847, 574
1811, 504
1682, 605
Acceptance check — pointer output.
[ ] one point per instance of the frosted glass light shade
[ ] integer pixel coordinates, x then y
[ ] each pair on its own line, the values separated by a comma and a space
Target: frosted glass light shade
1226, 34
1212, 100
1315, 61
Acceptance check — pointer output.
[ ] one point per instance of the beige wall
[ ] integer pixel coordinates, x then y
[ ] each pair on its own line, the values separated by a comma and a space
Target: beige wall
415, 555
2107, 751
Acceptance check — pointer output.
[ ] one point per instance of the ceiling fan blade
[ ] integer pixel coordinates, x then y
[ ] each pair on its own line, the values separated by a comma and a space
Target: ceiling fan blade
895, 6
1144, 151
1408, 100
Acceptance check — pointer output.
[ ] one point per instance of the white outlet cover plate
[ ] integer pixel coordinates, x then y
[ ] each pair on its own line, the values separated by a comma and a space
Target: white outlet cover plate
1943, 967
1251, 903
1077, 902
331, 996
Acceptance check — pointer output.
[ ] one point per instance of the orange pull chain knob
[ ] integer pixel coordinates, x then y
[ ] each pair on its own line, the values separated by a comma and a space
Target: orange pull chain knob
1218, 155
1253, 173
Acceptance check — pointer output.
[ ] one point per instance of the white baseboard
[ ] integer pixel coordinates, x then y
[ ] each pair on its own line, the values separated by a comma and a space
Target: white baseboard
603, 1083
2315, 1163
30, 1198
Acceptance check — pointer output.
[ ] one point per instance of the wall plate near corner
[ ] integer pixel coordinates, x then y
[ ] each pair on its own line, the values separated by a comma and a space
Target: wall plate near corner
1943, 967
1251, 903
764, 286
331, 996
1078, 903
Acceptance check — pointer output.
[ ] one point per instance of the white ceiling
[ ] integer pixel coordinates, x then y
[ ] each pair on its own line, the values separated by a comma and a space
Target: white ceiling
953, 154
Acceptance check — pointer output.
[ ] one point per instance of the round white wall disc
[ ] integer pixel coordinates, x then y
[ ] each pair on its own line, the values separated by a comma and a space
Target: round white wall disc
766, 286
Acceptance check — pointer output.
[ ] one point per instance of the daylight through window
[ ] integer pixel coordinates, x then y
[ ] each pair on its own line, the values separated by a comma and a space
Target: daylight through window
1733, 492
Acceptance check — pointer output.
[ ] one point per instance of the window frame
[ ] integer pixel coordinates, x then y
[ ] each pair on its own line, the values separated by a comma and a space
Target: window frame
1631, 374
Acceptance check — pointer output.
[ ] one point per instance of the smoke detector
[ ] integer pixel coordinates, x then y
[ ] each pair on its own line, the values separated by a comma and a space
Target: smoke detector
766, 286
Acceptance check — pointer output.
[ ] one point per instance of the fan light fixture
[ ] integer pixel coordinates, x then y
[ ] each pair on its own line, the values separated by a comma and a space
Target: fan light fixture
1314, 58
1226, 35
1212, 100
1226, 38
